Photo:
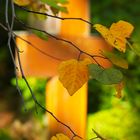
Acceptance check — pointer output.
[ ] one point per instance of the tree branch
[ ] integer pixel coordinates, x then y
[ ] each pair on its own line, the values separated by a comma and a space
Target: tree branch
9, 29
54, 16
63, 40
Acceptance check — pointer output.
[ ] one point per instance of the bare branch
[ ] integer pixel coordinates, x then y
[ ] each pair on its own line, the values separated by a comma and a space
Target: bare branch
54, 16
42, 52
63, 40
11, 35
9, 29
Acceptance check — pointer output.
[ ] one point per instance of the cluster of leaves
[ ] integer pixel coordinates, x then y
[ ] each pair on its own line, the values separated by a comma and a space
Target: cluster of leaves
113, 123
42, 6
39, 90
74, 73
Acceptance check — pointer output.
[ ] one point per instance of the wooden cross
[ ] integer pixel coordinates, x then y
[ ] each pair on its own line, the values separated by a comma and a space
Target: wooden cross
71, 110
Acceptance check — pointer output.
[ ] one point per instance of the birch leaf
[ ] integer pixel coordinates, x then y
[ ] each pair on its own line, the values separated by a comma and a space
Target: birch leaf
73, 74
107, 76
60, 136
116, 35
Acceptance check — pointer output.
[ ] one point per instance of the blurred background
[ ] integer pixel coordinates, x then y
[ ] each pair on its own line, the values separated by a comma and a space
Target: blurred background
116, 119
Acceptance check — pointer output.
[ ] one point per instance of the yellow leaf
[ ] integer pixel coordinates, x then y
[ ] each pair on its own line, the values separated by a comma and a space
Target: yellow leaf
121, 29
117, 34
119, 87
73, 74
60, 136
22, 2
77, 138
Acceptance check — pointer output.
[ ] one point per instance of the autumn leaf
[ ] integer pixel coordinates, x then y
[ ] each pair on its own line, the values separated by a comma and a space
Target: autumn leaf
60, 136
22, 2
73, 74
117, 34
119, 87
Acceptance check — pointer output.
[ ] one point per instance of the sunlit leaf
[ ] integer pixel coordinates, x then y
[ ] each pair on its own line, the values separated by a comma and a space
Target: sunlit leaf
22, 2
119, 87
73, 74
60, 136
41, 35
105, 76
116, 60
117, 34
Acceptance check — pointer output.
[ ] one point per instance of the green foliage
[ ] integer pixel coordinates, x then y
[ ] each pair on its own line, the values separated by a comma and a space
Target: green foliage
133, 80
106, 12
55, 7
105, 76
40, 34
38, 87
135, 45
118, 123
4, 135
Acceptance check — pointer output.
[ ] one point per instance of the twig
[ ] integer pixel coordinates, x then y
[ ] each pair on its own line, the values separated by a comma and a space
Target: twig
9, 29
11, 36
54, 16
63, 40
42, 52
97, 136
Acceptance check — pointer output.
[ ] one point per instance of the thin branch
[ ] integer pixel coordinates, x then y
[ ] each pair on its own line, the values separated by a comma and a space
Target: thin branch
55, 37
63, 40
11, 35
42, 52
54, 16
9, 28
34, 98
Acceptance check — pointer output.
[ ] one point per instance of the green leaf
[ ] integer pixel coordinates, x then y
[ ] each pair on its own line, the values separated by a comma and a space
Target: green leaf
94, 70
107, 76
116, 60
54, 4
56, 1
40, 35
